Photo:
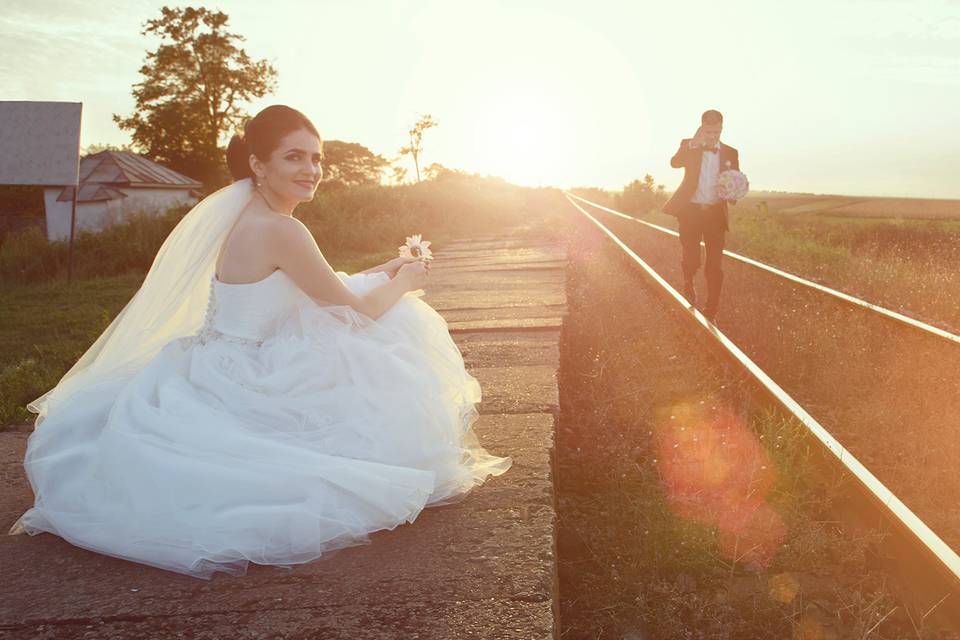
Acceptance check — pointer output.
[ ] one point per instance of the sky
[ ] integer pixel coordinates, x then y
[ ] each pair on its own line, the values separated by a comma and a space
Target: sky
824, 96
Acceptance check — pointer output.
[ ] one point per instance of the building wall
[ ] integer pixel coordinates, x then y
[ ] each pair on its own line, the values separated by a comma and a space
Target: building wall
93, 216
89, 215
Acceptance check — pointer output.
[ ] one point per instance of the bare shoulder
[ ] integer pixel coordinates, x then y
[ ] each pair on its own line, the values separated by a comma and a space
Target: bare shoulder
283, 228
285, 235
294, 230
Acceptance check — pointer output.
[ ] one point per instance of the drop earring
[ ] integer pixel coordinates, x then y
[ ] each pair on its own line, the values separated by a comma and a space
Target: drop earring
263, 196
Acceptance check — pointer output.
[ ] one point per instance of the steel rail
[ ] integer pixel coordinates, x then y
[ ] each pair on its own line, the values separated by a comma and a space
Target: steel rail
913, 322
937, 551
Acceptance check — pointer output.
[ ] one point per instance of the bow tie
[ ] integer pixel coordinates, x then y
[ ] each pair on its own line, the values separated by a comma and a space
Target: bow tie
710, 149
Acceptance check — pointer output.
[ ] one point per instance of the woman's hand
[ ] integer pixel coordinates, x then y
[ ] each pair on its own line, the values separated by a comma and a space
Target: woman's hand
391, 267
414, 273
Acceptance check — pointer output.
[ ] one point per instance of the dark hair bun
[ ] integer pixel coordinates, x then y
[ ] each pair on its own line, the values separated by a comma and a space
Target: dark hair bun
238, 158
261, 136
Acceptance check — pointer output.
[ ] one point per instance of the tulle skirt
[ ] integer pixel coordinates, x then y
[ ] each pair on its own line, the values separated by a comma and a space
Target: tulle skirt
219, 452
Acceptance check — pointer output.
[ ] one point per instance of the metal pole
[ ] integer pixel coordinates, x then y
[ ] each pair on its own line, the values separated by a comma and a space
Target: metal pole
73, 229
73, 208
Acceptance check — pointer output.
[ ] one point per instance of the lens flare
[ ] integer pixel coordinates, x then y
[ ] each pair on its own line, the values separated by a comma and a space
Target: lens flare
715, 472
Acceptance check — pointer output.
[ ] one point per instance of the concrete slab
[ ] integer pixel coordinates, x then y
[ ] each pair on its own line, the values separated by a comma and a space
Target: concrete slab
15, 495
496, 349
453, 559
503, 265
505, 314
518, 389
484, 567
490, 299
498, 278
461, 619
551, 323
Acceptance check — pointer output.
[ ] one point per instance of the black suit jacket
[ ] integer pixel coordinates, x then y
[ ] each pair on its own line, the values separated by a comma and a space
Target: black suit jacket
690, 160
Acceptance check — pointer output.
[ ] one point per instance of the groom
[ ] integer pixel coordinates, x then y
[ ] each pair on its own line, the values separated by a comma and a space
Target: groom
702, 215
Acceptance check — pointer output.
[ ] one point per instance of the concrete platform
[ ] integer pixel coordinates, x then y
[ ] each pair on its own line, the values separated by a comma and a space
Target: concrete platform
482, 568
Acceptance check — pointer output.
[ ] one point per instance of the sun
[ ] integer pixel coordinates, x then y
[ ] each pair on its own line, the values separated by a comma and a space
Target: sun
520, 138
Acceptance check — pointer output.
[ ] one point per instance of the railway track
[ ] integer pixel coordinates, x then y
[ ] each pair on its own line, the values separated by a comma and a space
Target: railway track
927, 567
840, 295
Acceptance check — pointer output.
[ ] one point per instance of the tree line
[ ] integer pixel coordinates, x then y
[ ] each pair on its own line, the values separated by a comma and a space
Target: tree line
191, 99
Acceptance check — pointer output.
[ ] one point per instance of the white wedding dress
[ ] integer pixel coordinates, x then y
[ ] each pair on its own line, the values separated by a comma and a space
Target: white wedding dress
278, 431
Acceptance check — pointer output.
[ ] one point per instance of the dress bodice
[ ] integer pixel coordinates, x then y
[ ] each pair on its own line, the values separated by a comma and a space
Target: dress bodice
249, 312
281, 430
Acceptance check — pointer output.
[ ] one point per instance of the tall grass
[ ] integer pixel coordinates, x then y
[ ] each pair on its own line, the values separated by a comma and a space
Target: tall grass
889, 393
28, 257
641, 399
46, 324
907, 265
372, 219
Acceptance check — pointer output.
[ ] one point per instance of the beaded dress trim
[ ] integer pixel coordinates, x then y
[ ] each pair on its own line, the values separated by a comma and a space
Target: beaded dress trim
208, 333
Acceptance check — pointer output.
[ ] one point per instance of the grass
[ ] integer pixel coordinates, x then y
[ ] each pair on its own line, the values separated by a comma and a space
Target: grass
658, 445
345, 221
890, 394
865, 207
47, 325
908, 265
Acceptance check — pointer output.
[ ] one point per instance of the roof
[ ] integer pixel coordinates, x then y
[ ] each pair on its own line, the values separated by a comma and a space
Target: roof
91, 193
130, 169
102, 174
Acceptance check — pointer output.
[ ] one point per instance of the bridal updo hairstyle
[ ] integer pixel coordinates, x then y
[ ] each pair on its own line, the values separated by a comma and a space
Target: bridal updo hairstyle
262, 135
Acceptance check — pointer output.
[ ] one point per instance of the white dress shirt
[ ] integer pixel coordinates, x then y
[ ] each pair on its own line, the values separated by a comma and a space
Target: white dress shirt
707, 186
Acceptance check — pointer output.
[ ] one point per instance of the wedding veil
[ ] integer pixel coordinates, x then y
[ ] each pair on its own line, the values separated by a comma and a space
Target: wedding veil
171, 302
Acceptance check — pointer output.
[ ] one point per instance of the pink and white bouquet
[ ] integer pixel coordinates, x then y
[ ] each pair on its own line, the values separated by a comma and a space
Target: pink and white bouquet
416, 247
732, 185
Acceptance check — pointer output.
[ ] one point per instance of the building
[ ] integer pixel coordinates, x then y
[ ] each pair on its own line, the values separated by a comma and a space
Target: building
114, 185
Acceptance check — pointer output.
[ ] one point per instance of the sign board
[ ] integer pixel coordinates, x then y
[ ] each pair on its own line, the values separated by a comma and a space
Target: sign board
39, 143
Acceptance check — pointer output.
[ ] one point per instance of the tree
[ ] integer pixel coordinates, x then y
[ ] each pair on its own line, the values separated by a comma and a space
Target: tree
640, 197
192, 89
437, 171
598, 195
416, 140
351, 164
399, 173
97, 147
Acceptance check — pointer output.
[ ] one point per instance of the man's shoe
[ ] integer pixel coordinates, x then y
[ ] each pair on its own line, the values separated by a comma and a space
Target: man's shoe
690, 292
710, 313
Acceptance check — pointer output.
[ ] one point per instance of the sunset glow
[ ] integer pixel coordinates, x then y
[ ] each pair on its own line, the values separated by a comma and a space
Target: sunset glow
521, 139
564, 94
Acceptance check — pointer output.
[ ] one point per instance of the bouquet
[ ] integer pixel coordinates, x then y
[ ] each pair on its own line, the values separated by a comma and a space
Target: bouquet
416, 247
732, 185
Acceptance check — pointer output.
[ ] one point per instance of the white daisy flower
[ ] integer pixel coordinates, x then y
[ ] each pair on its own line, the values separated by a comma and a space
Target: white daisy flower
416, 247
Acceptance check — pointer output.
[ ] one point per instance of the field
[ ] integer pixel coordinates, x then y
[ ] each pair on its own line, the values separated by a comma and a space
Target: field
906, 264
687, 509
48, 324
345, 221
641, 553
889, 394
854, 207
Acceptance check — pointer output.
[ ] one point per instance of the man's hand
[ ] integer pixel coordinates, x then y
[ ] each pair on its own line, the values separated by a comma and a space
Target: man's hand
699, 139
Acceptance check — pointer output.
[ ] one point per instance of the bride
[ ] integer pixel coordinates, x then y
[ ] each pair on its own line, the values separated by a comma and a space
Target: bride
249, 404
